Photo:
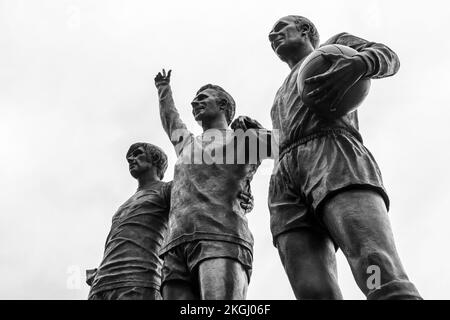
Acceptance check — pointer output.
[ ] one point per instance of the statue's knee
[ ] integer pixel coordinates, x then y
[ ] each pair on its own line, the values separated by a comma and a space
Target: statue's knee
375, 257
379, 261
317, 290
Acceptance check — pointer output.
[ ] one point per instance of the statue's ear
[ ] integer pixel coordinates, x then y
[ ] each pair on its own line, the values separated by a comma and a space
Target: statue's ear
223, 103
305, 29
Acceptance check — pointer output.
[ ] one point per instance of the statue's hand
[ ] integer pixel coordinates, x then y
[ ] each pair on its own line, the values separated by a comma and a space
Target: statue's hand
244, 123
247, 201
162, 78
338, 79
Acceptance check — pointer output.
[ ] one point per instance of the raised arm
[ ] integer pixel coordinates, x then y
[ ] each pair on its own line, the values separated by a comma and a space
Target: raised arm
175, 128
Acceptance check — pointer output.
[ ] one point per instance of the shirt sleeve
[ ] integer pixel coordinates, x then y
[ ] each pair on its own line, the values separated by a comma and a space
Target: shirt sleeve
381, 61
175, 128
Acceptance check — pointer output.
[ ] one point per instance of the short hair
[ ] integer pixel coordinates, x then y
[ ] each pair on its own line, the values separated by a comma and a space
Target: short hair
231, 105
313, 33
155, 155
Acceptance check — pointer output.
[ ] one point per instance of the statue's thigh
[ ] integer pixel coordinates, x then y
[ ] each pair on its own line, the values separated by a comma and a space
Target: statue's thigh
308, 257
222, 279
358, 222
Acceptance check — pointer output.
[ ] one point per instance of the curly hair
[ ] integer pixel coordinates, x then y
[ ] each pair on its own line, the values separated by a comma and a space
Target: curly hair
155, 155
231, 105
313, 33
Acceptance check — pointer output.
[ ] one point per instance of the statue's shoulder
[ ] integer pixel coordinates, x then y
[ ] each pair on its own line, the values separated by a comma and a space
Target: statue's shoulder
336, 39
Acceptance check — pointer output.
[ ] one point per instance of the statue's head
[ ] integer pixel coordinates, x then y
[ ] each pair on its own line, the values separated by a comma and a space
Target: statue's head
212, 102
143, 156
291, 33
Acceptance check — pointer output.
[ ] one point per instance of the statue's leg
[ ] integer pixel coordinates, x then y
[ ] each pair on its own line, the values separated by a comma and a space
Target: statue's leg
358, 222
222, 279
309, 259
177, 282
133, 293
222, 269
178, 290
305, 248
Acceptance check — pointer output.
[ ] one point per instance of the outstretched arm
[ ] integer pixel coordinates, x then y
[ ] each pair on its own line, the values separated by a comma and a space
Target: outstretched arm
374, 60
170, 118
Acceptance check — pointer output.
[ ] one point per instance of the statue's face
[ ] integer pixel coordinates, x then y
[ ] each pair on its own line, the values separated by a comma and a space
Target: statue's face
137, 162
205, 105
285, 37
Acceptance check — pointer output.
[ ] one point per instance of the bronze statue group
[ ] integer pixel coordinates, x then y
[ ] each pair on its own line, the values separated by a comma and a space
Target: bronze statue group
189, 238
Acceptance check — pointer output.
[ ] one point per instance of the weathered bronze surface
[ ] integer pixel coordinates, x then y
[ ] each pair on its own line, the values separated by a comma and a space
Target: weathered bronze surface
208, 249
327, 191
131, 267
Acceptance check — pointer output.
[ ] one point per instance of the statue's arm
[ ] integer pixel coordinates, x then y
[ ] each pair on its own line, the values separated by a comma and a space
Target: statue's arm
175, 128
244, 126
380, 60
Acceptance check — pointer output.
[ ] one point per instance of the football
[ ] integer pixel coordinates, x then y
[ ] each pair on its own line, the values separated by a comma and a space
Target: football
314, 65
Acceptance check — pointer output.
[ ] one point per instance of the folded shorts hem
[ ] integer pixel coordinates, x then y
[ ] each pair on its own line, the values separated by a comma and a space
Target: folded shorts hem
320, 200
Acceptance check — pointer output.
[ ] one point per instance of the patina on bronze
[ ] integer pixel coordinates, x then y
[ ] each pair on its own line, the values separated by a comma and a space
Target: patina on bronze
131, 267
326, 191
208, 251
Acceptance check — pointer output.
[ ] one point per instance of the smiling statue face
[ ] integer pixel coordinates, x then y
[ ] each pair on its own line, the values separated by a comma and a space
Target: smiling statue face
285, 37
137, 162
205, 105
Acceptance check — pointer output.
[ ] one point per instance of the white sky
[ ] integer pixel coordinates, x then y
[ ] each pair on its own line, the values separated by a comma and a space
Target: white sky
76, 89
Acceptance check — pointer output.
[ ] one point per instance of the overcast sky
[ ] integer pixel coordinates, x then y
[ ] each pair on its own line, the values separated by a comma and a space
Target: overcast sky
76, 89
